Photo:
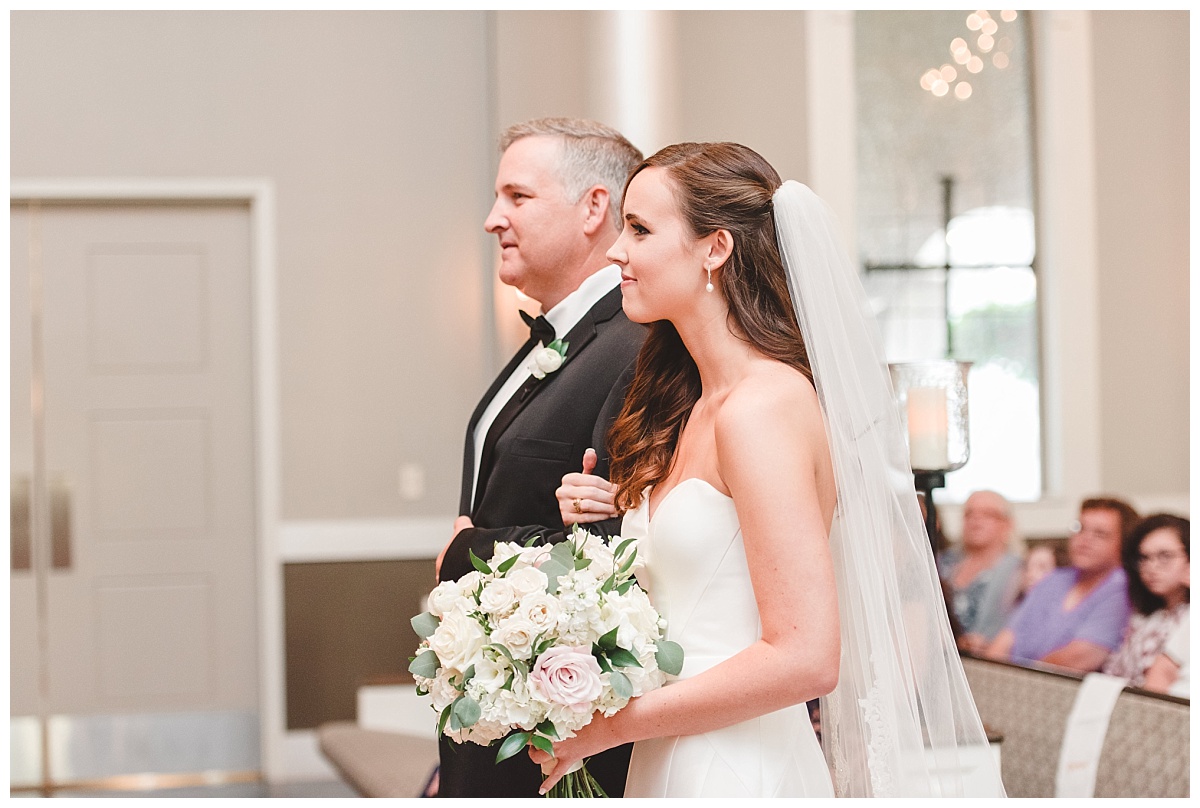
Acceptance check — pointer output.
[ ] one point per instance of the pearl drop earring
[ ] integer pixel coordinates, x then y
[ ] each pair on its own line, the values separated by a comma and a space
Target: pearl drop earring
709, 288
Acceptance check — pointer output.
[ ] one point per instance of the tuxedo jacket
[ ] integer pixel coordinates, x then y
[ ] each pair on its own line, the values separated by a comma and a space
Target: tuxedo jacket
538, 437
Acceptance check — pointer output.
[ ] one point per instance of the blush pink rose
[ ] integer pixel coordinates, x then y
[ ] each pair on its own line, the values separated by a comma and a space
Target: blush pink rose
568, 676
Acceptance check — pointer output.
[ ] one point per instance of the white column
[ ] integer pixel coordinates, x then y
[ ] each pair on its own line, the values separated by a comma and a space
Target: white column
831, 94
633, 75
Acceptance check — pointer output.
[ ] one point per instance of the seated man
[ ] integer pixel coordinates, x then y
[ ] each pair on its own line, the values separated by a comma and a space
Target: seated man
1077, 614
983, 573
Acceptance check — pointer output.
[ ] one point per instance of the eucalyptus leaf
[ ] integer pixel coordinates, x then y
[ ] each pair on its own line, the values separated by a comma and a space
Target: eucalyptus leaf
466, 711
621, 684
479, 563
426, 665
425, 624
512, 745
468, 675
554, 569
669, 656
580, 563
625, 659
564, 553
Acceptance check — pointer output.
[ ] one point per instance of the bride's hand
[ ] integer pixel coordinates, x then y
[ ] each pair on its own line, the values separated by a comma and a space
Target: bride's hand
585, 497
597, 736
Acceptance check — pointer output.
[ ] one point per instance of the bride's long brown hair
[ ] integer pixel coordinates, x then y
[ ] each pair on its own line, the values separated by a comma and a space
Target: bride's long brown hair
717, 186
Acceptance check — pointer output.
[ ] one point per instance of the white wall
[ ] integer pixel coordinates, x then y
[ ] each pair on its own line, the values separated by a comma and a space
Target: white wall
374, 129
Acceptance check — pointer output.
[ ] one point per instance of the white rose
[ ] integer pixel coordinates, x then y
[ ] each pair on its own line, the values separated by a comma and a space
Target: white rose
540, 609
535, 555
443, 597
469, 583
517, 635
504, 551
498, 597
457, 639
527, 580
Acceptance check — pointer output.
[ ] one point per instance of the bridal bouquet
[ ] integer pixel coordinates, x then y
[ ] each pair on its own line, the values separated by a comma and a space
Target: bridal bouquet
526, 649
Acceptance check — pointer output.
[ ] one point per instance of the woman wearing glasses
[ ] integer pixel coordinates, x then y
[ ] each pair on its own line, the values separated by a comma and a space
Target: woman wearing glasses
1157, 560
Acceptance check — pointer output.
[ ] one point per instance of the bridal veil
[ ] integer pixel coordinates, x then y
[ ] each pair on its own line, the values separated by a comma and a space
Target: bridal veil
901, 721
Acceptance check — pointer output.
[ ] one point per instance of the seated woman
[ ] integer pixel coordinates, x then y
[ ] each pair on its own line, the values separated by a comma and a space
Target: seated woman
1039, 561
1157, 560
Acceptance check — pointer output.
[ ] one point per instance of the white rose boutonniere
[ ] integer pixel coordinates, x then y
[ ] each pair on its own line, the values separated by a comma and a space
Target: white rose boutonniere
549, 359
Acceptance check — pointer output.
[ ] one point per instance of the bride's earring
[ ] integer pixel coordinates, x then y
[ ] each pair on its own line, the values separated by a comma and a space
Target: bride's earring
709, 287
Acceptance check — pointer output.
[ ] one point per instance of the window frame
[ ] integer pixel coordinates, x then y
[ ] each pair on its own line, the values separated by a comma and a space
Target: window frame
1065, 261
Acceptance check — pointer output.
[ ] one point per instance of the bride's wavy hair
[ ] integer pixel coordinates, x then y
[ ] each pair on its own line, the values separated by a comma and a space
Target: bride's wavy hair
717, 186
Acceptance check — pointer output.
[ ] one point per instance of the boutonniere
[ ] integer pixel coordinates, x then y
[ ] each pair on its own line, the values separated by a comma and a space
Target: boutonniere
549, 359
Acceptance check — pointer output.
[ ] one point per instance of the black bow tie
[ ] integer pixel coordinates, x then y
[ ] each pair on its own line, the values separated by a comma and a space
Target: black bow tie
539, 328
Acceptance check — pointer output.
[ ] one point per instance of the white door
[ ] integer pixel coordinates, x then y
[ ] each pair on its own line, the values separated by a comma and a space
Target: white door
134, 644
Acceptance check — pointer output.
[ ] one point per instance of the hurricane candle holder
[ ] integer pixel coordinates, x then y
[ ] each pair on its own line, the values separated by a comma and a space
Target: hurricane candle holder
932, 397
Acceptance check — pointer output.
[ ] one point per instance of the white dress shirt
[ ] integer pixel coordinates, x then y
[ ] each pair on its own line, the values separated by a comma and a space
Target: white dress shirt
563, 317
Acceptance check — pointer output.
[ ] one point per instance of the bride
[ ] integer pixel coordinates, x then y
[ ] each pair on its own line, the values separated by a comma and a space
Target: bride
759, 458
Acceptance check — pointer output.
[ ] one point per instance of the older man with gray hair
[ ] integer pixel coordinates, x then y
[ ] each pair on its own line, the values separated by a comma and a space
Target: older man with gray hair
558, 198
983, 573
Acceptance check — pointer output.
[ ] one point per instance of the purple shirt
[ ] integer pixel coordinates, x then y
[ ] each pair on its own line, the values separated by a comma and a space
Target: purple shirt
1039, 625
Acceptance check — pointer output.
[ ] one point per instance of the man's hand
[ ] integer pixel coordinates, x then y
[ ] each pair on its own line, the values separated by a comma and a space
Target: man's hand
584, 497
460, 524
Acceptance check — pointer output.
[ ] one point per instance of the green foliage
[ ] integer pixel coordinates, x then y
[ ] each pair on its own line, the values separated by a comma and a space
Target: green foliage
626, 659
512, 745
621, 684
478, 563
464, 712
424, 624
426, 664
669, 656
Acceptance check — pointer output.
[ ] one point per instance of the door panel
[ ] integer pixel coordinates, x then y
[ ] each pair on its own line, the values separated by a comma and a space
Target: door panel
148, 435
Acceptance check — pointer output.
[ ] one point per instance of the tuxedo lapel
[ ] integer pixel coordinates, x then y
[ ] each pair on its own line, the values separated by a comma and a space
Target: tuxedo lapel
577, 339
468, 479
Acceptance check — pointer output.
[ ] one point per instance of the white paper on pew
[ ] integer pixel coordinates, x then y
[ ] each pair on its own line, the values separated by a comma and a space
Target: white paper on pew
1087, 725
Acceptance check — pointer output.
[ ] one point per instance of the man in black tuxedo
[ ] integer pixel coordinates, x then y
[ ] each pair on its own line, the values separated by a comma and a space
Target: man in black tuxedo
557, 211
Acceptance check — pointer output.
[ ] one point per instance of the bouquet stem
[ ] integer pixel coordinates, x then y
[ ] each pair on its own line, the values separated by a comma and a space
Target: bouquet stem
578, 783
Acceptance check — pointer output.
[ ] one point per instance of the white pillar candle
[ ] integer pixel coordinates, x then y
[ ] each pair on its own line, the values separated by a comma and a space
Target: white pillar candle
927, 429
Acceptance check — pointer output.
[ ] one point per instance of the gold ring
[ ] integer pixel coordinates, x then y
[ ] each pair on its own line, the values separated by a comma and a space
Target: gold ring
578, 505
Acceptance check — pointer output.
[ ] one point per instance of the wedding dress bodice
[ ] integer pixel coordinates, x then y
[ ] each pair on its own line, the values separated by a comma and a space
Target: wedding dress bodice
695, 571
697, 577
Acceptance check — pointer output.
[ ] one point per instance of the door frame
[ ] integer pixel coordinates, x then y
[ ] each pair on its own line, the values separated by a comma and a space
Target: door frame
259, 194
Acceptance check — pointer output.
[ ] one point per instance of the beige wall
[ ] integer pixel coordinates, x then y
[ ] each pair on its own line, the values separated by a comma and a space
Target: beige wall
373, 128
378, 129
742, 78
1143, 172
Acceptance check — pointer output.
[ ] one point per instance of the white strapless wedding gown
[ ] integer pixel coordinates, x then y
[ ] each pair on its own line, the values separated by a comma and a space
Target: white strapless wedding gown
697, 578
